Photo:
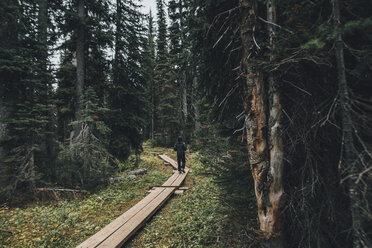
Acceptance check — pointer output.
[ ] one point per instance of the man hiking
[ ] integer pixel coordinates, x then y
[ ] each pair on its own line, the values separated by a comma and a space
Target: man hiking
180, 147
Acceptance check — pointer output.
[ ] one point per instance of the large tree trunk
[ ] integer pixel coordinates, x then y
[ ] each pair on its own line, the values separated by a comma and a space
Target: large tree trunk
80, 66
275, 142
43, 32
265, 148
360, 239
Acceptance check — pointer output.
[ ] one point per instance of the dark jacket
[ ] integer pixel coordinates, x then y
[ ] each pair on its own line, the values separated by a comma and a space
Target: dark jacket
180, 147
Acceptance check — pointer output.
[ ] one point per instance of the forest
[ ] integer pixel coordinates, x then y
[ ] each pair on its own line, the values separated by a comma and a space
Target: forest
272, 97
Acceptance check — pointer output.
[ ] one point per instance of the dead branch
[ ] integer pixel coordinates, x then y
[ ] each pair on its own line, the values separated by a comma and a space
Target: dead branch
62, 190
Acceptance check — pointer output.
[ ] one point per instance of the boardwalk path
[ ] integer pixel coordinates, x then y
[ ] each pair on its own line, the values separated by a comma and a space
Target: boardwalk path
122, 228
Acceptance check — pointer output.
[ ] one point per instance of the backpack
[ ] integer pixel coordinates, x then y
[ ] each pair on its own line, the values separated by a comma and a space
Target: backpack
180, 147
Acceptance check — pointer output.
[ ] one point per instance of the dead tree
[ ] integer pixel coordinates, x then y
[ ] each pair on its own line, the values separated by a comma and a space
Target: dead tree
263, 113
349, 158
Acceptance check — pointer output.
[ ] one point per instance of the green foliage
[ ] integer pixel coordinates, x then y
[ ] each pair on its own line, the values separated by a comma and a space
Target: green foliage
87, 161
25, 90
68, 223
65, 96
129, 104
313, 44
166, 97
204, 216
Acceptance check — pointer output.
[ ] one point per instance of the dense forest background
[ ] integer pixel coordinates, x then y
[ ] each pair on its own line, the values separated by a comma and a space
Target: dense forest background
285, 85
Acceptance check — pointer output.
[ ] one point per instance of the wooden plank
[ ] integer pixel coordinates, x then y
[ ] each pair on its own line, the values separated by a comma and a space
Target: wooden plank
108, 230
170, 181
122, 228
169, 160
179, 180
127, 230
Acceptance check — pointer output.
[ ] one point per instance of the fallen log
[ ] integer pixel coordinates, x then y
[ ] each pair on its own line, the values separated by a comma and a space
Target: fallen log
58, 194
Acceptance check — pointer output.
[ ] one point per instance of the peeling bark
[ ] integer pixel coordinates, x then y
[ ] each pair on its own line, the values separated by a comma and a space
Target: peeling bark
275, 139
263, 113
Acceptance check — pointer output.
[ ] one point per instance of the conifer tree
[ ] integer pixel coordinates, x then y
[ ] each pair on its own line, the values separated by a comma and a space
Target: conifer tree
167, 103
128, 102
148, 71
88, 160
26, 94
85, 27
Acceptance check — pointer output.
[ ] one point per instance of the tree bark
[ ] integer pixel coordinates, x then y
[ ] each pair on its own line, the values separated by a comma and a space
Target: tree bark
275, 142
43, 29
195, 104
360, 239
184, 98
117, 45
263, 111
80, 66
4, 114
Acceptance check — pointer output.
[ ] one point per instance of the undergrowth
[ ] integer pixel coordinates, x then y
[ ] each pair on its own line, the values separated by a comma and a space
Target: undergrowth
218, 209
68, 223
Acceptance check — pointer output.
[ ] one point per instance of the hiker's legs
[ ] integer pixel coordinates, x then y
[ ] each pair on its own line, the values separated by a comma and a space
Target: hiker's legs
183, 162
179, 161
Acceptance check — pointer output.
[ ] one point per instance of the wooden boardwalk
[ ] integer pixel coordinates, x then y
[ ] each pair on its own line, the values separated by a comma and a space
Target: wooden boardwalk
122, 228
169, 160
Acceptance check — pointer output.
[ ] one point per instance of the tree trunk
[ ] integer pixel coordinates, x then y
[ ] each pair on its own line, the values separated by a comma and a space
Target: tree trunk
184, 98
4, 114
184, 105
152, 111
43, 29
183, 72
117, 45
275, 143
360, 239
80, 66
51, 140
263, 111
195, 104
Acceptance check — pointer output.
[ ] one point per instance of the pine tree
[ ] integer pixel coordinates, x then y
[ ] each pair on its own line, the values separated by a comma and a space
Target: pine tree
87, 160
148, 72
166, 102
128, 102
25, 95
85, 25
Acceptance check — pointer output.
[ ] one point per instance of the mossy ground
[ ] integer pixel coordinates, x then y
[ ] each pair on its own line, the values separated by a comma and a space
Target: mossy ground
207, 215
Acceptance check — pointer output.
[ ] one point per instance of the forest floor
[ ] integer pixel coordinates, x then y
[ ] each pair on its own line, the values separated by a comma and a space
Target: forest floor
210, 214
